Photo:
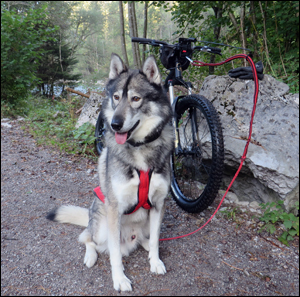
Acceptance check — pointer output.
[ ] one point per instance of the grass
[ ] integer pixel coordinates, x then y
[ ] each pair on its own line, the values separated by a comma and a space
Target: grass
52, 123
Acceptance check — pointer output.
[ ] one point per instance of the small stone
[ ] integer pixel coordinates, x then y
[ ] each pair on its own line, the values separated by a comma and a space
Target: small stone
243, 203
232, 197
254, 204
246, 272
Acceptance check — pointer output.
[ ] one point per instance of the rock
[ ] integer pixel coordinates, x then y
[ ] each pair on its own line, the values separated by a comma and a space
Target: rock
6, 125
232, 197
293, 97
90, 110
271, 169
254, 205
242, 203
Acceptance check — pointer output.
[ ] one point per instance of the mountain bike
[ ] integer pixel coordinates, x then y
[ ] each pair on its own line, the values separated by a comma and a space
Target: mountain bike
197, 161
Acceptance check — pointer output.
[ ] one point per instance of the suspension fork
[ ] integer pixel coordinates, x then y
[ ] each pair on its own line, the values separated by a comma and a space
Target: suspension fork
172, 101
193, 116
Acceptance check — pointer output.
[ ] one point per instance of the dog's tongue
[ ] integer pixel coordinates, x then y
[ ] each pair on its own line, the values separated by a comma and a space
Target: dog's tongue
121, 137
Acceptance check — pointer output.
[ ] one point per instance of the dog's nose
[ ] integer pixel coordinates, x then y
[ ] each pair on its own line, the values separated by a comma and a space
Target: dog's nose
117, 123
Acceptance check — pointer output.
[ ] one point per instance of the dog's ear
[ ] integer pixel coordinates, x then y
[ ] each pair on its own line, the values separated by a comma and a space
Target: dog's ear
116, 66
151, 70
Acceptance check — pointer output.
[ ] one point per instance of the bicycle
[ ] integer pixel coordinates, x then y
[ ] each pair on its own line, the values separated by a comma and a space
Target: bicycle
198, 159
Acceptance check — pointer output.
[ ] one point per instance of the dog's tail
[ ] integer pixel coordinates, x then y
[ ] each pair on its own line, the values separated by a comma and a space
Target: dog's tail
70, 214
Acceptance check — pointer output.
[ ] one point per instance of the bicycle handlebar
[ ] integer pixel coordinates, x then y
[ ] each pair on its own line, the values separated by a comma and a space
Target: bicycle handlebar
153, 42
149, 41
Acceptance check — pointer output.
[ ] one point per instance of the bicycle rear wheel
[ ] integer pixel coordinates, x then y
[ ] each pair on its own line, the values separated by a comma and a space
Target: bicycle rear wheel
99, 134
198, 163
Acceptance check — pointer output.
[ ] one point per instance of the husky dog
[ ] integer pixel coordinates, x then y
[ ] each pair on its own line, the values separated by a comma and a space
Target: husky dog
139, 141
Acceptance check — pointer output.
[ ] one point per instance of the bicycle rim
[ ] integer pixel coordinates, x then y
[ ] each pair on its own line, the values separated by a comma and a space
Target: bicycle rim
198, 165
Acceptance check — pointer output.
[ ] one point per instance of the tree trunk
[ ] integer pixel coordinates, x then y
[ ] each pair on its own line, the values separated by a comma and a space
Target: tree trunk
77, 92
145, 29
218, 14
253, 20
265, 31
134, 33
239, 29
243, 39
60, 61
123, 43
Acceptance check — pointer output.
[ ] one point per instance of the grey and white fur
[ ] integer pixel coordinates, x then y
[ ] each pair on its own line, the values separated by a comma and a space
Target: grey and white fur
139, 136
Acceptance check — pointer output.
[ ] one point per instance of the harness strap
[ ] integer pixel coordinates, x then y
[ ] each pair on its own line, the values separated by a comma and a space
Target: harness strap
143, 190
99, 194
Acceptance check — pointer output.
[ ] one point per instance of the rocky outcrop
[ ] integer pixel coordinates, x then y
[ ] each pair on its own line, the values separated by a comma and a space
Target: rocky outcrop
271, 169
90, 110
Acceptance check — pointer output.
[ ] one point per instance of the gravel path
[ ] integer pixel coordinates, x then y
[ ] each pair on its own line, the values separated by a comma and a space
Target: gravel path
39, 257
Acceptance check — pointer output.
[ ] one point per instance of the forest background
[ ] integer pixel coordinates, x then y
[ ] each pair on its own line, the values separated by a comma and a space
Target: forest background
46, 41
46, 45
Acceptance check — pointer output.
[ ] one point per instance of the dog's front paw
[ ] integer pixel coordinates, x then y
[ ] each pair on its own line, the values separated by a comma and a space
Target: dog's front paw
157, 266
122, 283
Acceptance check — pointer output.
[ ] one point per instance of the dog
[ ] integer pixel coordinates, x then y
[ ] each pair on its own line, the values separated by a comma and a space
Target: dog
135, 162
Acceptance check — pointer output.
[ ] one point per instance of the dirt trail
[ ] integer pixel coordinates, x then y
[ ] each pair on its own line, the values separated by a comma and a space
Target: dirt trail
39, 257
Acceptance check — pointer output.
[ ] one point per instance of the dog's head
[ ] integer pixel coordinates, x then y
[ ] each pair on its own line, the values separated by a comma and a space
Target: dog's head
137, 102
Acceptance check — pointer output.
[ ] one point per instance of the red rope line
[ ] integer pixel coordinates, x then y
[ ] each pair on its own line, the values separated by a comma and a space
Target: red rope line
199, 63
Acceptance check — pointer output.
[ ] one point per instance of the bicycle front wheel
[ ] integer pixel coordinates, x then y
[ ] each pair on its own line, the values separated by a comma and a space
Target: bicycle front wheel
198, 161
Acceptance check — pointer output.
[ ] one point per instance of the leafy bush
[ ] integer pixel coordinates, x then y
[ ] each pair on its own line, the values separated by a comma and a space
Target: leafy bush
22, 36
85, 134
274, 213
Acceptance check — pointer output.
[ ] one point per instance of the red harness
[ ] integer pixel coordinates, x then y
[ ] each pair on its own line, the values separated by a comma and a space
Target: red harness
143, 190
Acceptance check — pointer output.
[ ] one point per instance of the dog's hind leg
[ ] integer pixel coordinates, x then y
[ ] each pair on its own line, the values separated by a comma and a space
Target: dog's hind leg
145, 244
91, 255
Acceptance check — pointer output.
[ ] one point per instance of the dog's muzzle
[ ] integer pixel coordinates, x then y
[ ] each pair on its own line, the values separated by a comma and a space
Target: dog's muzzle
122, 137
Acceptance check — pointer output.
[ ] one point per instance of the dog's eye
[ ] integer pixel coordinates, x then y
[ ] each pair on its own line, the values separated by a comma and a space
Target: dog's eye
136, 98
116, 97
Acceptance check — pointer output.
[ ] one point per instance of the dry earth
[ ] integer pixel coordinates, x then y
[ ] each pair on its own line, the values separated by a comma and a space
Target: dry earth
39, 257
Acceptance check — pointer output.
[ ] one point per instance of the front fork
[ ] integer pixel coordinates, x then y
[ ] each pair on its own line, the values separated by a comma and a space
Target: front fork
173, 102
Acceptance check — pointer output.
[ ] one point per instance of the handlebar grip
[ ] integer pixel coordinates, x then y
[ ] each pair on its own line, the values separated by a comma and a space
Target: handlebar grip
138, 39
215, 49
152, 42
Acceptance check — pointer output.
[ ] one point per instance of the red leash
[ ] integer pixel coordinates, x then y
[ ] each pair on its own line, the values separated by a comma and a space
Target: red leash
199, 63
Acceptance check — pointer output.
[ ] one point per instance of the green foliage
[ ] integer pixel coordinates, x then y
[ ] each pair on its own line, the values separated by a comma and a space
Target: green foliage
202, 19
274, 213
85, 134
52, 124
56, 64
12, 110
21, 39
231, 213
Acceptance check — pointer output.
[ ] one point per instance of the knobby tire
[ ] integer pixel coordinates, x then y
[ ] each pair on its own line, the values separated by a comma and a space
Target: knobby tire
198, 166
